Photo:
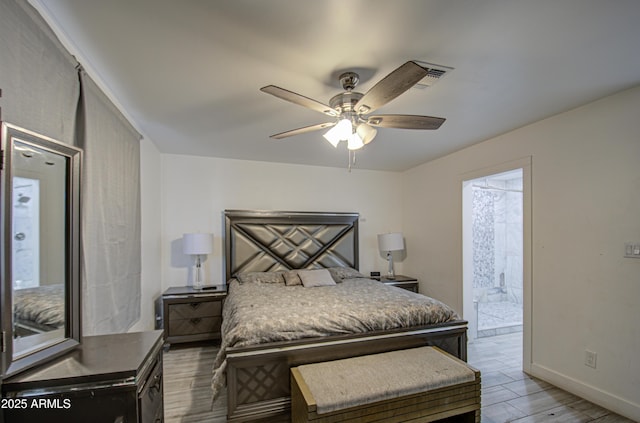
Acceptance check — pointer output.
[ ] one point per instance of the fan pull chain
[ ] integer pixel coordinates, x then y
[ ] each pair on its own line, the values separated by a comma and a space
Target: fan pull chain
352, 159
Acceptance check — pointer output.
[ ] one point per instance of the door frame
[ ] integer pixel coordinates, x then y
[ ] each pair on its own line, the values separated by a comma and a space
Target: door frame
527, 238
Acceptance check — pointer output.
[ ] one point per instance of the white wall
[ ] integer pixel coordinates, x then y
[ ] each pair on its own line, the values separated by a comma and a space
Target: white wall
196, 191
585, 206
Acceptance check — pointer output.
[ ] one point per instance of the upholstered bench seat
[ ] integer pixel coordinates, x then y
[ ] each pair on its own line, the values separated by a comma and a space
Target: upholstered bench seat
418, 385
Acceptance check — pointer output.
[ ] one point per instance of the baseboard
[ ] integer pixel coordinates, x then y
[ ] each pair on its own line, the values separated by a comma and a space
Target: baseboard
595, 395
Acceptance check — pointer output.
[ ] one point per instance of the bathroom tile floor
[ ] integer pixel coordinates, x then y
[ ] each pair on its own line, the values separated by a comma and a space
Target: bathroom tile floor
499, 318
510, 395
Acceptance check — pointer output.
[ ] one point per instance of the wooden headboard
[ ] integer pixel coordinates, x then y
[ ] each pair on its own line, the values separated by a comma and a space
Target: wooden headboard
265, 241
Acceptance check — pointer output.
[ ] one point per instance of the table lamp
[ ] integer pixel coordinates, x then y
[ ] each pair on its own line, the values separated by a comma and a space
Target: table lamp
197, 244
389, 242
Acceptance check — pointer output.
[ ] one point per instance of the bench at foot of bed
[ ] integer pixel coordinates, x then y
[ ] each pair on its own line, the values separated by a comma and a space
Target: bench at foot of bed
418, 385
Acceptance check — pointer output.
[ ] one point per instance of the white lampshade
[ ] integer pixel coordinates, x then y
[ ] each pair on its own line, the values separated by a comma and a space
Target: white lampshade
354, 142
392, 241
198, 243
366, 132
341, 131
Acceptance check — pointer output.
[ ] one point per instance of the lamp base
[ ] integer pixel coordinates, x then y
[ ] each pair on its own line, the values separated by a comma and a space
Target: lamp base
391, 274
197, 282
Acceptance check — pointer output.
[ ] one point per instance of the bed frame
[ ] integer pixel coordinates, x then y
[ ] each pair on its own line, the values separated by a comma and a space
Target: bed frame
258, 377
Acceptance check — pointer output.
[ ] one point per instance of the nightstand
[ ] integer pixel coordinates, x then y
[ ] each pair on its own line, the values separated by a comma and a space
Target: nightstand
401, 281
191, 315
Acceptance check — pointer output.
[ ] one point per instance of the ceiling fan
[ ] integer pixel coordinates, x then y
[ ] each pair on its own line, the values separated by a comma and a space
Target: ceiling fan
352, 111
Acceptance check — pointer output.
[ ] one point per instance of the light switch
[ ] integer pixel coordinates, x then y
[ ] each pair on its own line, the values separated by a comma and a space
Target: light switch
632, 249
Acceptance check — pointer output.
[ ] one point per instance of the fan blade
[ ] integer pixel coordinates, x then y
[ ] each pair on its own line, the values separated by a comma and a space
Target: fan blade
302, 130
405, 121
298, 99
390, 87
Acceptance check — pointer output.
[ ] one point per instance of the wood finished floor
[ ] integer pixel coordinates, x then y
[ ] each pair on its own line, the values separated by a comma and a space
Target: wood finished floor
187, 386
508, 394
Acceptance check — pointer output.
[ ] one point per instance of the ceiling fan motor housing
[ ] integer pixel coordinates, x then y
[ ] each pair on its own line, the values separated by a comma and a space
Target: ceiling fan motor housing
345, 102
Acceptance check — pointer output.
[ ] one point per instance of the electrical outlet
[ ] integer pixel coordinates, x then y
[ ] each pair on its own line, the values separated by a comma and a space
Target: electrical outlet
590, 358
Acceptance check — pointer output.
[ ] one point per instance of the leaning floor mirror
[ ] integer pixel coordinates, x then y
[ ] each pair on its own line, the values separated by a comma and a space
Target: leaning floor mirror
40, 307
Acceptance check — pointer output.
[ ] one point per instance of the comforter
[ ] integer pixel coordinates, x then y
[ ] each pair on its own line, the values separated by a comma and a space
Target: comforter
41, 307
258, 313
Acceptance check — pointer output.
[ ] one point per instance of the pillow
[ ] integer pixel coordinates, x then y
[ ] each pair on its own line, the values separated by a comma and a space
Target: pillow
340, 273
291, 278
260, 277
318, 277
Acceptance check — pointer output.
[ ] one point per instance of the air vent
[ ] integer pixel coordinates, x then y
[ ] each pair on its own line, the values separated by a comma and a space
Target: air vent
434, 74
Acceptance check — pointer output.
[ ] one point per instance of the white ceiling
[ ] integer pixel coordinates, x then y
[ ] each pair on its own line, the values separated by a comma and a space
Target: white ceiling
187, 73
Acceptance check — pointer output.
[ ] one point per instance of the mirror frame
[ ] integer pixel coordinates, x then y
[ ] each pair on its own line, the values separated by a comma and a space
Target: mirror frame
72, 337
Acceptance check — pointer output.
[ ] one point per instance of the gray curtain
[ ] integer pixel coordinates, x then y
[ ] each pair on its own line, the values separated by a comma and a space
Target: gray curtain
42, 92
37, 75
111, 215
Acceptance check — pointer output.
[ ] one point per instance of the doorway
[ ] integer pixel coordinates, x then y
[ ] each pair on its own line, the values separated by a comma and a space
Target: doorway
496, 252
26, 233
496, 266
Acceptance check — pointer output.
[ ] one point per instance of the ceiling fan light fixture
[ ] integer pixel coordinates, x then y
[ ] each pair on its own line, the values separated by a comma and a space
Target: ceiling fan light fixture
340, 132
366, 132
334, 141
355, 142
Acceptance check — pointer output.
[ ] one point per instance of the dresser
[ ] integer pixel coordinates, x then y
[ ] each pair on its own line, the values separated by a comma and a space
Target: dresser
405, 282
108, 378
192, 315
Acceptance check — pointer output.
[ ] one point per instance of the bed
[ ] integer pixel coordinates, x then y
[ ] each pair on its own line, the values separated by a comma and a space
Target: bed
271, 325
37, 310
